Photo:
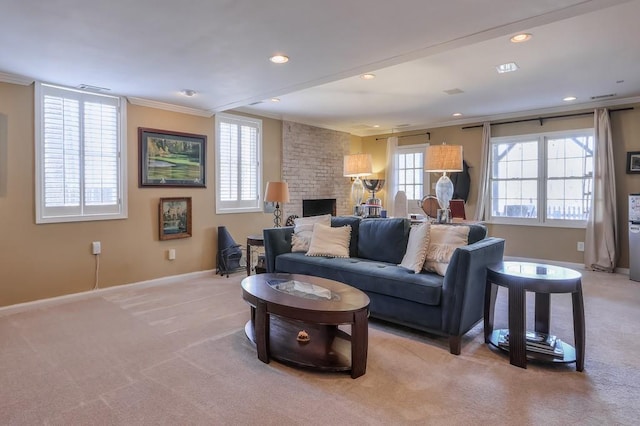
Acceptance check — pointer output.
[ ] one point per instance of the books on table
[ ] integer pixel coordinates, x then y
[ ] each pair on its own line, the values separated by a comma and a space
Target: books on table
545, 344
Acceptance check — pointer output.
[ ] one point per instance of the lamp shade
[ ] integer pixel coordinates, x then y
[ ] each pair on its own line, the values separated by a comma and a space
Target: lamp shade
357, 165
443, 158
277, 192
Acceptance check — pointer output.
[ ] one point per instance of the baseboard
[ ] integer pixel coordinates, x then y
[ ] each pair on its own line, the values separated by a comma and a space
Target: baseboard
579, 266
547, 261
19, 307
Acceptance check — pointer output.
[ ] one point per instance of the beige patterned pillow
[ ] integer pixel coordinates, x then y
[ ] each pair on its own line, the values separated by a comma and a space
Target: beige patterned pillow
328, 241
443, 241
416, 247
304, 229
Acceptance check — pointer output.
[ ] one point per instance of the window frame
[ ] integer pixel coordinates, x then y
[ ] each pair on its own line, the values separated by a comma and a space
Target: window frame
230, 207
84, 212
541, 205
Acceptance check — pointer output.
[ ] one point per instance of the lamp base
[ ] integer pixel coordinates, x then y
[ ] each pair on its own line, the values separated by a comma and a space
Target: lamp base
444, 191
277, 216
357, 191
444, 216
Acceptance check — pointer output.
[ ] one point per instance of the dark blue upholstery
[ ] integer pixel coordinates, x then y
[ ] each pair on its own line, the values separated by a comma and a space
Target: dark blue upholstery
448, 306
368, 276
384, 240
354, 222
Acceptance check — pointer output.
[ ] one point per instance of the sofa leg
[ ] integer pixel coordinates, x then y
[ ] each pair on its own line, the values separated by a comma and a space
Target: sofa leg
455, 343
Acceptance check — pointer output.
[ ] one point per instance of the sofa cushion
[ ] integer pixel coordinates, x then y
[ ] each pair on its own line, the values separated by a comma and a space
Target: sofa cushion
329, 241
443, 241
384, 240
303, 230
477, 232
416, 248
354, 223
369, 276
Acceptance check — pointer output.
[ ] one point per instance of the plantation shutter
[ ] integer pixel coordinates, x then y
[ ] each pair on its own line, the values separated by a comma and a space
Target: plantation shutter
78, 155
238, 145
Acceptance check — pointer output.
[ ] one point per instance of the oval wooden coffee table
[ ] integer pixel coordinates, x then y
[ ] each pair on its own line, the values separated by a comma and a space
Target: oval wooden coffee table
282, 305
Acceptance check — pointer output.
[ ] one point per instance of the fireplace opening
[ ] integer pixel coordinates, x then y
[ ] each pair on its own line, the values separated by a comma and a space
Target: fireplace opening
319, 207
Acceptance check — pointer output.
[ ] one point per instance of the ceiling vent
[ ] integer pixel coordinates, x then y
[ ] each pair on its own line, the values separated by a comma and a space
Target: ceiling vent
93, 88
610, 95
453, 91
255, 103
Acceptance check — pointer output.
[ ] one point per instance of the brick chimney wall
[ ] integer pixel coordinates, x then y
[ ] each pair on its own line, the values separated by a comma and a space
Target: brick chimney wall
312, 165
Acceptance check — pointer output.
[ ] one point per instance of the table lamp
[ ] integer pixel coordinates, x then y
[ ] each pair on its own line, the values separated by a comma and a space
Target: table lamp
357, 166
444, 158
277, 192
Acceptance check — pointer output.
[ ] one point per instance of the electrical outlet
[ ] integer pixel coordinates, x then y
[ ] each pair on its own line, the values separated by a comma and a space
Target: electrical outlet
580, 245
96, 247
171, 254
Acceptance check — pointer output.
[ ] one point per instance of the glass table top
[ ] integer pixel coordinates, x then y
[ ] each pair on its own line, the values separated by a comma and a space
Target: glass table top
303, 289
536, 270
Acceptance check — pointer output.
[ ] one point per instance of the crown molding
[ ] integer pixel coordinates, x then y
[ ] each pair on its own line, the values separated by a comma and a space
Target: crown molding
249, 110
169, 107
15, 79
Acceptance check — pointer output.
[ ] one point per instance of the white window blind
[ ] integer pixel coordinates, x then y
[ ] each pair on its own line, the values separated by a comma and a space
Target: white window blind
239, 171
79, 161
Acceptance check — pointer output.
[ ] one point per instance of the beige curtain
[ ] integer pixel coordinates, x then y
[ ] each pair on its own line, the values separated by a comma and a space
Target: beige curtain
601, 241
392, 185
483, 184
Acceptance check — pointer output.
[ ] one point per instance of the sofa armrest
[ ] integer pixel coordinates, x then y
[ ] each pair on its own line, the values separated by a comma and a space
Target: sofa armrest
464, 284
276, 241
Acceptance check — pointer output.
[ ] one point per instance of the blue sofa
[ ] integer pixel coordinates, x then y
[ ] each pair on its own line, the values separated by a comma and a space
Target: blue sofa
447, 306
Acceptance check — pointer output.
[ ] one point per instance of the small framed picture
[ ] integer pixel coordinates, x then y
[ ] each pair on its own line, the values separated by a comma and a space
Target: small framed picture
171, 158
175, 218
633, 162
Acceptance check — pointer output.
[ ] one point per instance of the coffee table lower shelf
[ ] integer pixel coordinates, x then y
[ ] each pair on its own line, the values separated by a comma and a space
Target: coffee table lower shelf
328, 348
569, 351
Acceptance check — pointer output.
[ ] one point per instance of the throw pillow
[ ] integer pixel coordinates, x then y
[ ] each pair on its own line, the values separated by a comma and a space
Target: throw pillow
443, 241
303, 229
328, 241
416, 248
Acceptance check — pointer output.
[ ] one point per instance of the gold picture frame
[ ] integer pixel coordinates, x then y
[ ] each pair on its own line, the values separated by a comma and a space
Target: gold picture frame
174, 218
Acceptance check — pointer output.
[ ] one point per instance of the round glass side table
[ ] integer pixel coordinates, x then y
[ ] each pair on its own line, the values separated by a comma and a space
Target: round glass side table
543, 280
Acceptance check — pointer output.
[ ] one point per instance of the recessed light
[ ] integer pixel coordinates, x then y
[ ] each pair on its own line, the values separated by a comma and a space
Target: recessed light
275, 99
188, 92
457, 114
279, 59
519, 38
376, 125
367, 76
569, 98
509, 67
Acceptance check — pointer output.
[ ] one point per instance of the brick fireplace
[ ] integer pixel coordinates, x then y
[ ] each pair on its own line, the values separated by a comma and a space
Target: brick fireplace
312, 162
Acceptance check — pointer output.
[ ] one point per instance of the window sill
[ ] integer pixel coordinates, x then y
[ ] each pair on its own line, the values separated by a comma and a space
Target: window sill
550, 224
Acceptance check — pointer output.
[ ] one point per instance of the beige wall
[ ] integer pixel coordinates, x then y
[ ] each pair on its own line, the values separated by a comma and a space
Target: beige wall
557, 244
39, 261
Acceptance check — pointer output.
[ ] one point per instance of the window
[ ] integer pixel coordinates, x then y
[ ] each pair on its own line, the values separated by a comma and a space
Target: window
542, 179
409, 168
239, 169
80, 160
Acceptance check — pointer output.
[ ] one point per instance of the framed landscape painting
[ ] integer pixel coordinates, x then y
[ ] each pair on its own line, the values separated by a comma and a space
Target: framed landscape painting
171, 158
175, 218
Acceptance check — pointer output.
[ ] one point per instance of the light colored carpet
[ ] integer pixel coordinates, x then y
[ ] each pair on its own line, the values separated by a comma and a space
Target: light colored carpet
176, 354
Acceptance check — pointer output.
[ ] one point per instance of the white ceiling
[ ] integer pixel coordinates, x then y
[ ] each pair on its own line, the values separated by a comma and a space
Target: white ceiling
150, 50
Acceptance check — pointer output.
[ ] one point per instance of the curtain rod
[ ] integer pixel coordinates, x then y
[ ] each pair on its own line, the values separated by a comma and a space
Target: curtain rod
408, 136
540, 119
